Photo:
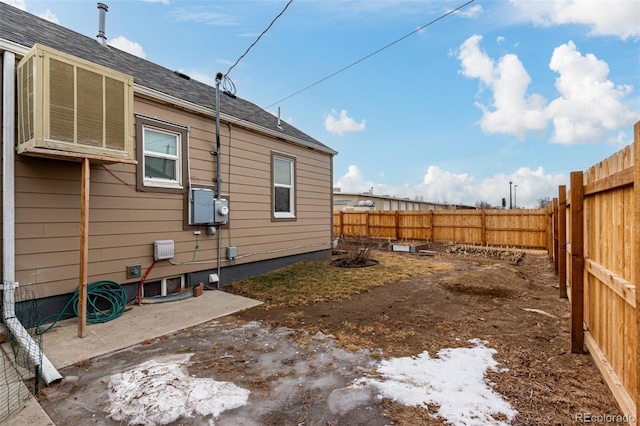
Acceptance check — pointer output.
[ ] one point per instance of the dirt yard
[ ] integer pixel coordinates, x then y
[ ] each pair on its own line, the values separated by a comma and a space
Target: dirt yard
297, 362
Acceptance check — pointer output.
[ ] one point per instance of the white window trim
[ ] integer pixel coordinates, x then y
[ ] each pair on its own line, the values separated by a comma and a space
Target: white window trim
291, 214
159, 182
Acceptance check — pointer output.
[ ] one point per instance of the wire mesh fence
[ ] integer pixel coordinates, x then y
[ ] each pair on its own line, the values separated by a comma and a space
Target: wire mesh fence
20, 377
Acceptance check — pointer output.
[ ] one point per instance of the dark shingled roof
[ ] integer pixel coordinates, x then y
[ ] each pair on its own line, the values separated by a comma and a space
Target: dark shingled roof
26, 29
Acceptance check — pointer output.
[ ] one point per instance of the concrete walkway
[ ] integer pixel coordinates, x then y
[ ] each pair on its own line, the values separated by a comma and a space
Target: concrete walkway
63, 347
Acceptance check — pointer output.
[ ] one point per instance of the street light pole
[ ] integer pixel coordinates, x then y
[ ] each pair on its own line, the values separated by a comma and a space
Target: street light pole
515, 192
510, 204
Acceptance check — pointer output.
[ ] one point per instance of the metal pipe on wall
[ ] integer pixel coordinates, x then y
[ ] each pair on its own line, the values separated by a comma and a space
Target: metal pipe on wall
219, 77
34, 352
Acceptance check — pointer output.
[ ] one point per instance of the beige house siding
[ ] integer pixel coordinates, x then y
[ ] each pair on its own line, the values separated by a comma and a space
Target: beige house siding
124, 222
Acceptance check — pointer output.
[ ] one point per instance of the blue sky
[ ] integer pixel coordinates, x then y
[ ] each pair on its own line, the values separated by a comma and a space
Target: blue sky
523, 91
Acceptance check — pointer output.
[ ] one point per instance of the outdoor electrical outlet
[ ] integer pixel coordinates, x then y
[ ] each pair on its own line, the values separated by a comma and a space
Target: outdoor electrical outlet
134, 271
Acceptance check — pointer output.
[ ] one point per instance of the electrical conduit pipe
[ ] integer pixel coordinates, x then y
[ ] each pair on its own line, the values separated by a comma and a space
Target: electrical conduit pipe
34, 352
144, 278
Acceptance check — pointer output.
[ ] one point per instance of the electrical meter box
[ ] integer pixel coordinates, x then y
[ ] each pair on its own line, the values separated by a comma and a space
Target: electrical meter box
221, 210
202, 206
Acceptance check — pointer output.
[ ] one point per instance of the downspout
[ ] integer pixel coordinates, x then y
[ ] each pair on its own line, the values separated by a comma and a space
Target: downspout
34, 352
217, 194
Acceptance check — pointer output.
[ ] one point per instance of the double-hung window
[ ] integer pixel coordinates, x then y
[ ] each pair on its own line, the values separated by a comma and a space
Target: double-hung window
283, 177
162, 158
161, 154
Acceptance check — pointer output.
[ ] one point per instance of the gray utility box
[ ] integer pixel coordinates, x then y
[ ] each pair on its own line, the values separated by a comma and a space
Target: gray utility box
232, 252
202, 206
221, 211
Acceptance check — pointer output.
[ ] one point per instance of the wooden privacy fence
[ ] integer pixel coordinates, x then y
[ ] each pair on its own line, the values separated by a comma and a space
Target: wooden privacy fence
596, 249
516, 228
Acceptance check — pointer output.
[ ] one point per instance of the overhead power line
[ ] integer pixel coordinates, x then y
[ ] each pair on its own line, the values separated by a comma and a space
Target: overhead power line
371, 54
258, 39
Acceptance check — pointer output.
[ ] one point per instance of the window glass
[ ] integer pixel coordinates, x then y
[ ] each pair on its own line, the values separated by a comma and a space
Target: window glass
283, 188
162, 149
160, 142
161, 158
282, 172
161, 168
283, 199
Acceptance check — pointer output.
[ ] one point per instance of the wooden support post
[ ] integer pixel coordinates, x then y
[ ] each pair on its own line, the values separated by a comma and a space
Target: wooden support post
555, 235
84, 247
397, 224
341, 233
635, 279
577, 262
562, 241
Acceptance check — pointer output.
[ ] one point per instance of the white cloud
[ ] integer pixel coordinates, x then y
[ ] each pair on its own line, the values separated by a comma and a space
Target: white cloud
353, 181
588, 109
589, 104
617, 18
203, 16
471, 12
532, 185
128, 46
444, 186
339, 125
20, 4
620, 140
513, 111
205, 78
441, 186
49, 16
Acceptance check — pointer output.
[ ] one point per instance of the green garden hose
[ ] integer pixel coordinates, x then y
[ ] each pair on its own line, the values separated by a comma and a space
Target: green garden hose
99, 293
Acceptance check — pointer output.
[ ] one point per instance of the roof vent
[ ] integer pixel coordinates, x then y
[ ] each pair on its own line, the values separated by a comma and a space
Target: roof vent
183, 75
102, 38
278, 125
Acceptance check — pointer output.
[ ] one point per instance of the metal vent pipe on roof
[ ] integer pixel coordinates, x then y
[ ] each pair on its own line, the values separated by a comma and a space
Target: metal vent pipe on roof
102, 38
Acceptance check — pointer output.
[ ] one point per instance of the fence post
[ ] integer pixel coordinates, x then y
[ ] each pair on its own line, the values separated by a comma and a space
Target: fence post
577, 262
636, 249
484, 228
433, 229
341, 234
555, 235
562, 241
366, 226
397, 224
550, 230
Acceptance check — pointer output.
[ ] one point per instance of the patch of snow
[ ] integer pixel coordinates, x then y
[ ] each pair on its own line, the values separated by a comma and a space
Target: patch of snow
160, 391
455, 382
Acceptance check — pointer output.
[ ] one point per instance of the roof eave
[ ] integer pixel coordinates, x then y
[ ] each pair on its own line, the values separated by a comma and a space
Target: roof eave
21, 50
14, 47
209, 112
